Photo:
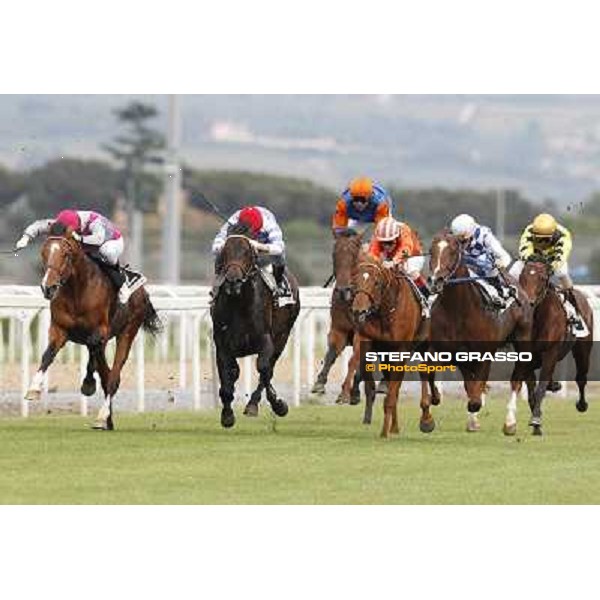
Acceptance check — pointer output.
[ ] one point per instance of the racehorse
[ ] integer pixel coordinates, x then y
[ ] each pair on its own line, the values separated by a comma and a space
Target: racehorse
247, 320
552, 339
385, 309
461, 321
84, 309
346, 247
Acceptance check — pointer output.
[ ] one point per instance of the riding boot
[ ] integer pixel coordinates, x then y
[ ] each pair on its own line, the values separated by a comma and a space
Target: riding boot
577, 319
283, 288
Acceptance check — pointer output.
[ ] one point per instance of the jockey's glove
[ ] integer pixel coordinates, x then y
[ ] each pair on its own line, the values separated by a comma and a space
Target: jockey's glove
388, 263
22, 242
76, 236
258, 247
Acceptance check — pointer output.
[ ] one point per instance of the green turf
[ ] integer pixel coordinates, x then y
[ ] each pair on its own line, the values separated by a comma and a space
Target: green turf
317, 454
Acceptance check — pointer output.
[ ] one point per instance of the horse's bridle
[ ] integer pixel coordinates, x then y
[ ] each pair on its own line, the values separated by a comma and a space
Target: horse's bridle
542, 295
374, 308
246, 272
67, 263
454, 268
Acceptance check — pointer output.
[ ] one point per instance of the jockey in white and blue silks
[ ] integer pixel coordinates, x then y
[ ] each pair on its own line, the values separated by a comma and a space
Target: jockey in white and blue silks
483, 254
268, 241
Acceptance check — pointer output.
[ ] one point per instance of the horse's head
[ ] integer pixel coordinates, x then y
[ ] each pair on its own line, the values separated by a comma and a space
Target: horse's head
58, 256
444, 259
370, 282
346, 247
237, 258
535, 278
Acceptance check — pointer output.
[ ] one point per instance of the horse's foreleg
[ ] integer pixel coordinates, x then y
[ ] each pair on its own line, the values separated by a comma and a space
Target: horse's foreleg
581, 353
427, 423
390, 407
344, 396
88, 385
549, 360
265, 365
336, 341
229, 371
57, 339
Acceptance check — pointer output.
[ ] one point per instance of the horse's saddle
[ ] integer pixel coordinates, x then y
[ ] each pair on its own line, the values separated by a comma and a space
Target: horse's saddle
121, 275
282, 294
423, 301
495, 299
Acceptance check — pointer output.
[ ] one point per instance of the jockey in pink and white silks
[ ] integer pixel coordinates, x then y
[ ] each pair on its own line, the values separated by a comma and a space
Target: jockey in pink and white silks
102, 237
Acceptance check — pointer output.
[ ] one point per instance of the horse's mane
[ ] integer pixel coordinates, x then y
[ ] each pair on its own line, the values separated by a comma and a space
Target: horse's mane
240, 229
538, 258
58, 229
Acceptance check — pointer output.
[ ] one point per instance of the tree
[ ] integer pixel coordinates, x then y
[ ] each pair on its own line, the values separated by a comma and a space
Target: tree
137, 149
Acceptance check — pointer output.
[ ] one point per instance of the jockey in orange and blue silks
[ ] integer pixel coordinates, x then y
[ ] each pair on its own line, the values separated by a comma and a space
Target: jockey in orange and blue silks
98, 233
362, 202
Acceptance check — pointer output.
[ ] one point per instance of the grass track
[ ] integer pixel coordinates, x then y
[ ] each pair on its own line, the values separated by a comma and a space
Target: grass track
317, 454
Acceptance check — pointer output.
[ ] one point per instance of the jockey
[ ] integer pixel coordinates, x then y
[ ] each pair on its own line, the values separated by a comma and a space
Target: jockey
102, 238
395, 243
363, 201
268, 242
484, 254
546, 238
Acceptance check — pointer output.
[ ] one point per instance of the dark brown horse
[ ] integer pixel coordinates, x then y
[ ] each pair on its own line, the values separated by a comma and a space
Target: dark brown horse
247, 320
84, 309
385, 309
461, 322
552, 338
346, 247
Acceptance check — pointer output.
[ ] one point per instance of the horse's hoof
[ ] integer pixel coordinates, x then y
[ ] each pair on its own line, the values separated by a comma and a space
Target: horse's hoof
384, 436
227, 418
318, 388
382, 387
342, 399
33, 395
251, 409
280, 408
101, 426
473, 426
354, 399
88, 388
537, 430
427, 426
509, 429
581, 406
366, 421
554, 386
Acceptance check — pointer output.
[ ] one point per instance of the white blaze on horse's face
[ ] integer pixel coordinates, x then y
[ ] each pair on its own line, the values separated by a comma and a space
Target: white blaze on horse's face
442, 245
532, 272
54, 246
365, 276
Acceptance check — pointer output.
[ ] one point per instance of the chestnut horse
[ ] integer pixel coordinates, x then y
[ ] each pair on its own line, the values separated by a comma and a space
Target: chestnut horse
461, 321
247, 320
346, 247
385, 309
84, 309
552, 339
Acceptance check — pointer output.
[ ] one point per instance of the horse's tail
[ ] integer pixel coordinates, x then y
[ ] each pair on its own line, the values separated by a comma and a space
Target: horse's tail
152, 323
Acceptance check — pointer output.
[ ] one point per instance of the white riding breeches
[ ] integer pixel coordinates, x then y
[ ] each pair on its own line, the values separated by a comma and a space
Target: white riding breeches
111, 251
414, 265
561, 275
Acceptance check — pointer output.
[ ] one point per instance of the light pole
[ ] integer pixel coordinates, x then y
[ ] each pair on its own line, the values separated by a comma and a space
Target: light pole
171, 237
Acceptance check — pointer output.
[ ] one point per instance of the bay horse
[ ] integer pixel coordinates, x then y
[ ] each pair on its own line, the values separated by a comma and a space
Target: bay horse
385, 309
461, 321
346, 248
247, 320
552, 339
84, 309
